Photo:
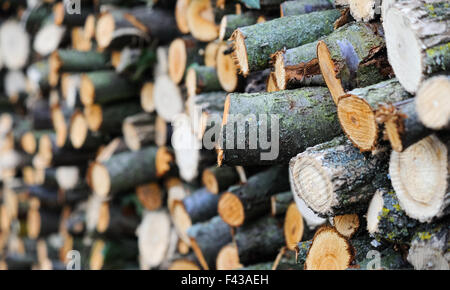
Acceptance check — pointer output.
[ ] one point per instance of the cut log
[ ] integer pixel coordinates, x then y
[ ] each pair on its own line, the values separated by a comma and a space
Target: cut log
364, 10
80, 136
139, 130
228, 258
41, 223
205, 111
29, 140
417, 40
242, 203
230, 23
329, 250
259, 241
66, 60
271, 83
295, 229
207, 239
102, 87
200, 20
144, 21
297, 67
61, 115
296, 119
289, 8
115, 222
353, 57
109, 119
167, 97
227, 71
386, 220
49, 38
147, 102
211, 53
429, 249
201, 79
217, 179
182, 53
419, 176
432, 104
254, 44
347, 224
358, 108
181, 15
334, 178
163, 133
14, 45
200, 206
280, 203
401, 124
126, 170
113, 255
150, 195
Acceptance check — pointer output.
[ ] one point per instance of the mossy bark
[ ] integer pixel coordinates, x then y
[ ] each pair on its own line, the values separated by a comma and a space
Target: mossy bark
129, 169
394, 225
357, 53
351, 177
259, 241
256, 193
206, 79
201, 205
289, 8
263, 39
82, 61
234, 21
302, 250
298, 119
110, 87
210, 237
280, 202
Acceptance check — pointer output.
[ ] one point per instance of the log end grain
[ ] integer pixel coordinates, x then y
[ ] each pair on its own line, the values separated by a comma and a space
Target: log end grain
329, 74
347, 224
147, 103
200, 20
240, 52
93, 116
228, 258
177, 60
78, 130
231, 209
293, 227
227, 71
104, 30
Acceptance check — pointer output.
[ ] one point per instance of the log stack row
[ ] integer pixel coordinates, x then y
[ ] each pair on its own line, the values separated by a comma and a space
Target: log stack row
204, 134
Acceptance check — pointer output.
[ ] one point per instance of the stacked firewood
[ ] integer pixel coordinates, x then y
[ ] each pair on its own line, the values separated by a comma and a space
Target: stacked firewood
224, 134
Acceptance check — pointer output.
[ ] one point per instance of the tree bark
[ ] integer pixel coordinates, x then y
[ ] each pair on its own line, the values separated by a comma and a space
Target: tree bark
289, 8
301, 118
254, 44
201, 79
280, 203
334, 178
358, 108
139, 130
217, 179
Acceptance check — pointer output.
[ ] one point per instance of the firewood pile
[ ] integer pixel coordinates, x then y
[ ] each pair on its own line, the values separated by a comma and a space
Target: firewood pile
224, 134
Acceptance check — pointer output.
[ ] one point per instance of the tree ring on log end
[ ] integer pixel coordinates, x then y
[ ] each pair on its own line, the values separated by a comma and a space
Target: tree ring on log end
293, 227
164, 158
346, 224
177, 60
103, 218
33, 223
78, 130
432, 102
375, 207
313, 184
181, 220
94, 117
147, 102
101, 182
96, 260
28, 143
227, 71
358, 122
404, 50
87, 90
105, 30
328, 71
280, 70
231, 209
329, 251
200, 19
240, 52
210, 181
191, 82
419, 177
228, 258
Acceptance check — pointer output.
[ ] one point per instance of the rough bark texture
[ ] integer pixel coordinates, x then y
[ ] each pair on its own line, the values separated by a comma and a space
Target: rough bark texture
401, 124
259, 241
280, 202
254, 196
143, 130
352, 57
334, 178
230, 23
203, 79
289, 8
259, 41
357, 111
217, 179
201, 205
422, 28
306, 117
208, 238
